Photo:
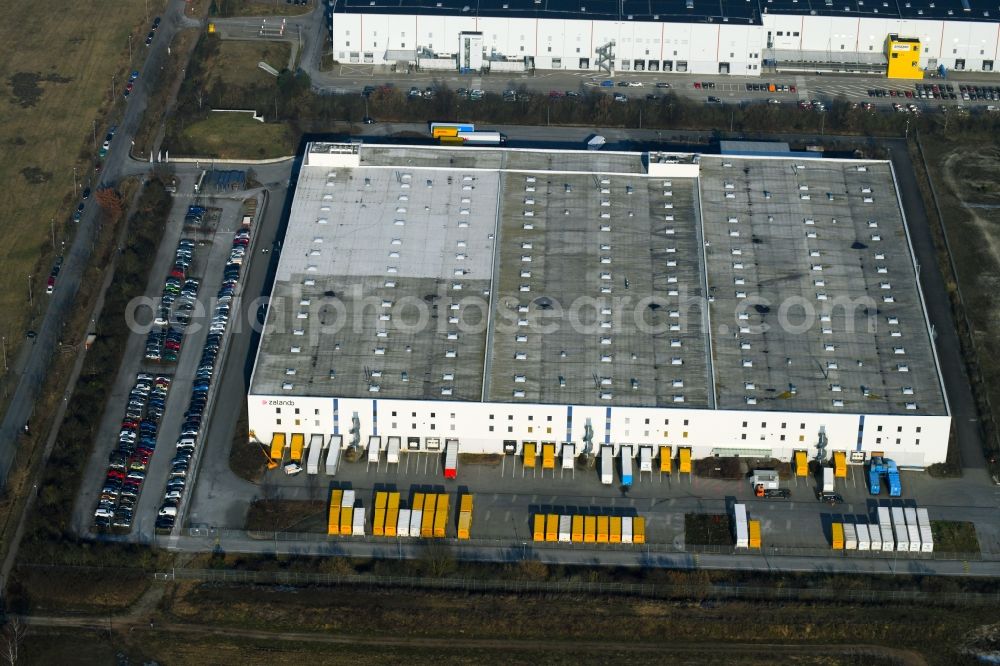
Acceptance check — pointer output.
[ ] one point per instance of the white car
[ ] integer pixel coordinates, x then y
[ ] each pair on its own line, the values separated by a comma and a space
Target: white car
635, 84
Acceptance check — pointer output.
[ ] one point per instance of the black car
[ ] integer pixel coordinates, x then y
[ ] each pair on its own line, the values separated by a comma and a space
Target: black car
149, 37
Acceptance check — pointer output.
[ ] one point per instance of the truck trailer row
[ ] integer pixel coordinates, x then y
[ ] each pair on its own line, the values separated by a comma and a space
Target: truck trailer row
580, 528
899, 529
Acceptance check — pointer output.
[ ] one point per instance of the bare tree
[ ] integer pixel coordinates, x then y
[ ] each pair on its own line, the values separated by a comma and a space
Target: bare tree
13, 635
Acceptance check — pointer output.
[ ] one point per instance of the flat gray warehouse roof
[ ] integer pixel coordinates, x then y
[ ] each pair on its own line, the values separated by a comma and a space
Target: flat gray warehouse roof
575, 277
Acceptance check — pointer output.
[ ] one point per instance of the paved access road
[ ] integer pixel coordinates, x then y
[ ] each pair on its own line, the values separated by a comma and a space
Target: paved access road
33, 361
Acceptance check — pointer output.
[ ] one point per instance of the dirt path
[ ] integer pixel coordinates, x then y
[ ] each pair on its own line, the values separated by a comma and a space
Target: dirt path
137, 621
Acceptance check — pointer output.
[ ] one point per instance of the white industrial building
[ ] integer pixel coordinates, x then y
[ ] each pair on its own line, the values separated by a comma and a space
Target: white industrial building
724, 37
750, 306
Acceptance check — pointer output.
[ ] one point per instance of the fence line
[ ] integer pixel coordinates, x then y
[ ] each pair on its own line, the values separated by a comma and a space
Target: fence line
654, 590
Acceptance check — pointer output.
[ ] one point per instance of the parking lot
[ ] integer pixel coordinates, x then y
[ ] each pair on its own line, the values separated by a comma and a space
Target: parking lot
210, 245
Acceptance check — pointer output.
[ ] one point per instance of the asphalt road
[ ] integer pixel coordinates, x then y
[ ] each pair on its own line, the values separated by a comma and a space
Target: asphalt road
35, 356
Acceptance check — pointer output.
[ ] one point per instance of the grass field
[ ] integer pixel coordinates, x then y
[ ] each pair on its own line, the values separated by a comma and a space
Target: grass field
261, 8
56, 82
236, 62
954, 536
287, 515
232, 135
966, 177
705, 529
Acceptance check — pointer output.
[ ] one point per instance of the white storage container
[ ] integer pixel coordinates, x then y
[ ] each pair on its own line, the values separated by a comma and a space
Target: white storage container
403, 523
902, 539
913, 534
741, 525
923, 519
911, 516
864, 541
348, 498
568, 455
315, 453
374, 444
607, 465
875, 534
333, 454
850, 537
359, 521
888, 539
926, 540
565, 525
883, 516
645, 459
392, 451
416, 515
827, 479
627, 529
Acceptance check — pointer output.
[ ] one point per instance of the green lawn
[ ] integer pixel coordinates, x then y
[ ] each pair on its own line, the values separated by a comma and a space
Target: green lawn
954, 536
237, 135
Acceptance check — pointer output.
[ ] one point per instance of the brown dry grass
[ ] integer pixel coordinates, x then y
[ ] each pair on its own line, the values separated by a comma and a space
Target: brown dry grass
47, 128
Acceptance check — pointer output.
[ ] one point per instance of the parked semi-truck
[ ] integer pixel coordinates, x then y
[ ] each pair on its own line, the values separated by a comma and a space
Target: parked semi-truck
315, 451
333, 454
475, 139
765, 483
626, 465
439, 130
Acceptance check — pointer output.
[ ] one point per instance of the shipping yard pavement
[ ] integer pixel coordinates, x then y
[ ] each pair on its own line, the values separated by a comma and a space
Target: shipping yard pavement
211, 251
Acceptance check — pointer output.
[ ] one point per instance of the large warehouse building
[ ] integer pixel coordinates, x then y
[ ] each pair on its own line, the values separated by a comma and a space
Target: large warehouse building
751, 306
722, 37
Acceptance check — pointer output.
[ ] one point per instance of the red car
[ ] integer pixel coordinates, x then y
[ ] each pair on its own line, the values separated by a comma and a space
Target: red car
697, 85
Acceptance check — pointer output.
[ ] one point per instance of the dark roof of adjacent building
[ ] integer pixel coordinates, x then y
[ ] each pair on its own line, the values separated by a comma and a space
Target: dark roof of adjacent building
681, 11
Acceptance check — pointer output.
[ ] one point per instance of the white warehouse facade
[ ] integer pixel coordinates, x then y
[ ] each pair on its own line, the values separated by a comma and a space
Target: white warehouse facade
728, 305
727, 37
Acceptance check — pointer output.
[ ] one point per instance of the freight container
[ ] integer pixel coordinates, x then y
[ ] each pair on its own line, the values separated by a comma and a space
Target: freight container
359, 522
898, 516
576, 532
418, 502
548, 455
416, 520
298, 443
538, 533
665, 461
926, 539
378, 518
590, 529
740, 526
615, 529
427, 524
684, 460
392, 515
441, 516
911, 515
465, 505
529, 455
607, 465
603, 523
883, 515
346, 520
626, 465
374, 443
277, 446
333, 454
875, 536
333, 515
451, 459
639, 530
902, 538
801, 464
840, 464
828, 486
850, 536
565, 528
403, 523
392, 451
913, 532
837, 536
349, 498
464, 525
626, 529
754, 532
645, 459
552, 527
888, 538
315, 451
864, 541
923, 519
381, 499
568, 454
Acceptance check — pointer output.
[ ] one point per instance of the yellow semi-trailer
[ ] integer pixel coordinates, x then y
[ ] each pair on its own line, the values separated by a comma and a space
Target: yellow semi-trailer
333, 519
298, 443
441, 517
529, 455
602, 529
576, 532
548, 455
665, 461
378, 520
590, 529
538, 533
684, 464
427, 523
615, 533
391, 514
277, 446
638, 530
552, 527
